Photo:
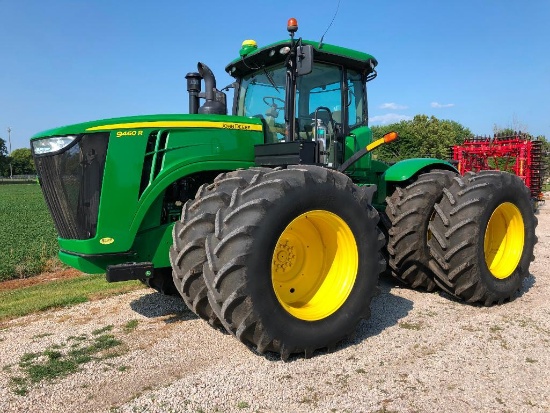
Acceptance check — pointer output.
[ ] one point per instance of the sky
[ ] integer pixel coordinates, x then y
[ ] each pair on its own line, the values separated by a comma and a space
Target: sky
478, 62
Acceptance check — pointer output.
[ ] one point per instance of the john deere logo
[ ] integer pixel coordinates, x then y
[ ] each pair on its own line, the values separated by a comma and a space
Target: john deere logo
106, 241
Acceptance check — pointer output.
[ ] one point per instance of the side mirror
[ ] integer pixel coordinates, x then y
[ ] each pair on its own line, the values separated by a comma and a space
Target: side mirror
304, 60
230, 86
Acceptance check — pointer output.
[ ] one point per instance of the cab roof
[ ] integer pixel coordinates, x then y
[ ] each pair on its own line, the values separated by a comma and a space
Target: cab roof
349, 58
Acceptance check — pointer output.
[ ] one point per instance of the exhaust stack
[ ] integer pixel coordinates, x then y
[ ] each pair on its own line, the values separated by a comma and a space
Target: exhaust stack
215, 102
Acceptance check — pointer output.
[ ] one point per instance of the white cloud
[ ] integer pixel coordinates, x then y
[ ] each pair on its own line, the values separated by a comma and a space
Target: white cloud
389, 118
442, 105
392, 106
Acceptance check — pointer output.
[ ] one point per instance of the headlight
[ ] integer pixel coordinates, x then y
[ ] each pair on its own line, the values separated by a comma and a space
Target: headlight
53, 144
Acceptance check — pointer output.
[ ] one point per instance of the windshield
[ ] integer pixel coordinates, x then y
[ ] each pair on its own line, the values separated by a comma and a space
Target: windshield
262, 95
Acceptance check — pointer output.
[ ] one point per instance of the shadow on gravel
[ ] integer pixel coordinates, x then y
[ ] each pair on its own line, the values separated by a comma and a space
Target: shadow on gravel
528, 283
386, 311
157, 305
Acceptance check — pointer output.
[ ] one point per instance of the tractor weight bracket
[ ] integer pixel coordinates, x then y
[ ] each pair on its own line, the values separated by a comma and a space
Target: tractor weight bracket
129, 271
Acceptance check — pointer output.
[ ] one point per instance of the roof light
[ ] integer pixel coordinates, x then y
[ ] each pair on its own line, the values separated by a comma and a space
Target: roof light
292, 25
284, 50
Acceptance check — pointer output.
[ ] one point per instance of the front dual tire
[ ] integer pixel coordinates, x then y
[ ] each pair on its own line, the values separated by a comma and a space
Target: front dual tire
293, 258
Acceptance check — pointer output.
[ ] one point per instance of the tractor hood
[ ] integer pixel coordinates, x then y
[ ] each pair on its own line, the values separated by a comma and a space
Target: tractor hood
114, 186
128, 122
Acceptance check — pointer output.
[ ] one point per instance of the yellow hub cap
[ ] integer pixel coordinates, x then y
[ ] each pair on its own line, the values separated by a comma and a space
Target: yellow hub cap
504, 240
314, 265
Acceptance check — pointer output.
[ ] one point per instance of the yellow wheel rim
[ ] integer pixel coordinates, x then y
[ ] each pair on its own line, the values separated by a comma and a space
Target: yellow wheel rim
504, 240
314, 265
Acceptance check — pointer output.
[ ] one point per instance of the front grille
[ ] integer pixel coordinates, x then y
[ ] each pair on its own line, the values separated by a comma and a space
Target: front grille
71, 182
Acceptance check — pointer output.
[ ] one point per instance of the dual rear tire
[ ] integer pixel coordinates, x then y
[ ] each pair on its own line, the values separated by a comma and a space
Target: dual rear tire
409, 211
483, 236
471, 236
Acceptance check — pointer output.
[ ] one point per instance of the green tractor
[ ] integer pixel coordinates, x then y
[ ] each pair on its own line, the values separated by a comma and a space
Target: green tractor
275, 222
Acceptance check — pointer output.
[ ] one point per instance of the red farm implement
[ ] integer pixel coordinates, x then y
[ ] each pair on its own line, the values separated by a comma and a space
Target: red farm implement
517, 154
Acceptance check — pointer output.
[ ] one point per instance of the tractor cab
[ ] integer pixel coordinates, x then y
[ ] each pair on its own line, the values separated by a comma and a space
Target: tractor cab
305, 92
311, 98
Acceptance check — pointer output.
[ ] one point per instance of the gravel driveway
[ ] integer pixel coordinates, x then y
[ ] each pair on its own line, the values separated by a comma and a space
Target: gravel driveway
419, 352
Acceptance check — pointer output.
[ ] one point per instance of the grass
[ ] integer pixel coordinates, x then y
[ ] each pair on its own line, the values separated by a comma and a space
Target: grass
102, 330
130, 326
60, 293
60, 360
28, 239
411, 326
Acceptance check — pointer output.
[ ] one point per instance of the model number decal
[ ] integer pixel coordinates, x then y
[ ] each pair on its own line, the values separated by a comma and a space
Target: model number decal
120, 134
176, 124
240, 126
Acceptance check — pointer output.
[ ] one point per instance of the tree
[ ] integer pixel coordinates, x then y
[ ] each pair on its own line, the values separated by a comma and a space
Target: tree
514, 126
4, 159
22, 162
421, 137
505, 131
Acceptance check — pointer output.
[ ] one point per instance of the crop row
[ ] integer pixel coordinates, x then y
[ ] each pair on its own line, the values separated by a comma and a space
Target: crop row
27, 233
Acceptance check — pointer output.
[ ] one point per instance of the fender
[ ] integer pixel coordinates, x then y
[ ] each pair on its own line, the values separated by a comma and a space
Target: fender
406, 169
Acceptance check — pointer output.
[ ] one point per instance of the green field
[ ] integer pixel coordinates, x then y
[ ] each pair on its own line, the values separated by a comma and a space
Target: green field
28, 239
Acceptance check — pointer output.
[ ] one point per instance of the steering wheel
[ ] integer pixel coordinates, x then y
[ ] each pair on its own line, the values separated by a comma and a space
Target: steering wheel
274, 99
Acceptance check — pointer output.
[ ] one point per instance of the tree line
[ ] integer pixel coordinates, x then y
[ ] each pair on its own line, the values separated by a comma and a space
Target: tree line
421, 137
20, 159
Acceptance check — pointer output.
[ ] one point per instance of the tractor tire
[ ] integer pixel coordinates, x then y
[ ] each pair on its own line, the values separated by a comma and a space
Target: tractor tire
408, 212
294, 260
187, 254
483, 236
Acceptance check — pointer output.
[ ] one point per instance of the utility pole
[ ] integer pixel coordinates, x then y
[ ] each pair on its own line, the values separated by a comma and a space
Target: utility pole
9, 143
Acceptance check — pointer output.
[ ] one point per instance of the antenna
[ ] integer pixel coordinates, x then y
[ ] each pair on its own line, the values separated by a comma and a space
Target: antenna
332, 21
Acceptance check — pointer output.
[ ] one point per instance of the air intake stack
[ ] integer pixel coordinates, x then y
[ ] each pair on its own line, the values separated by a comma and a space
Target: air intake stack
194, 90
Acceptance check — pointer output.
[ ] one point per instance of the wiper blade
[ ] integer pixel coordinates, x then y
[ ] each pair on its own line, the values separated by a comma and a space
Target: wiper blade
270, 78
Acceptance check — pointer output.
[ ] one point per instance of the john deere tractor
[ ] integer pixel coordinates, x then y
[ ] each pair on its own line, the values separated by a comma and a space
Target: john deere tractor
274, 222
